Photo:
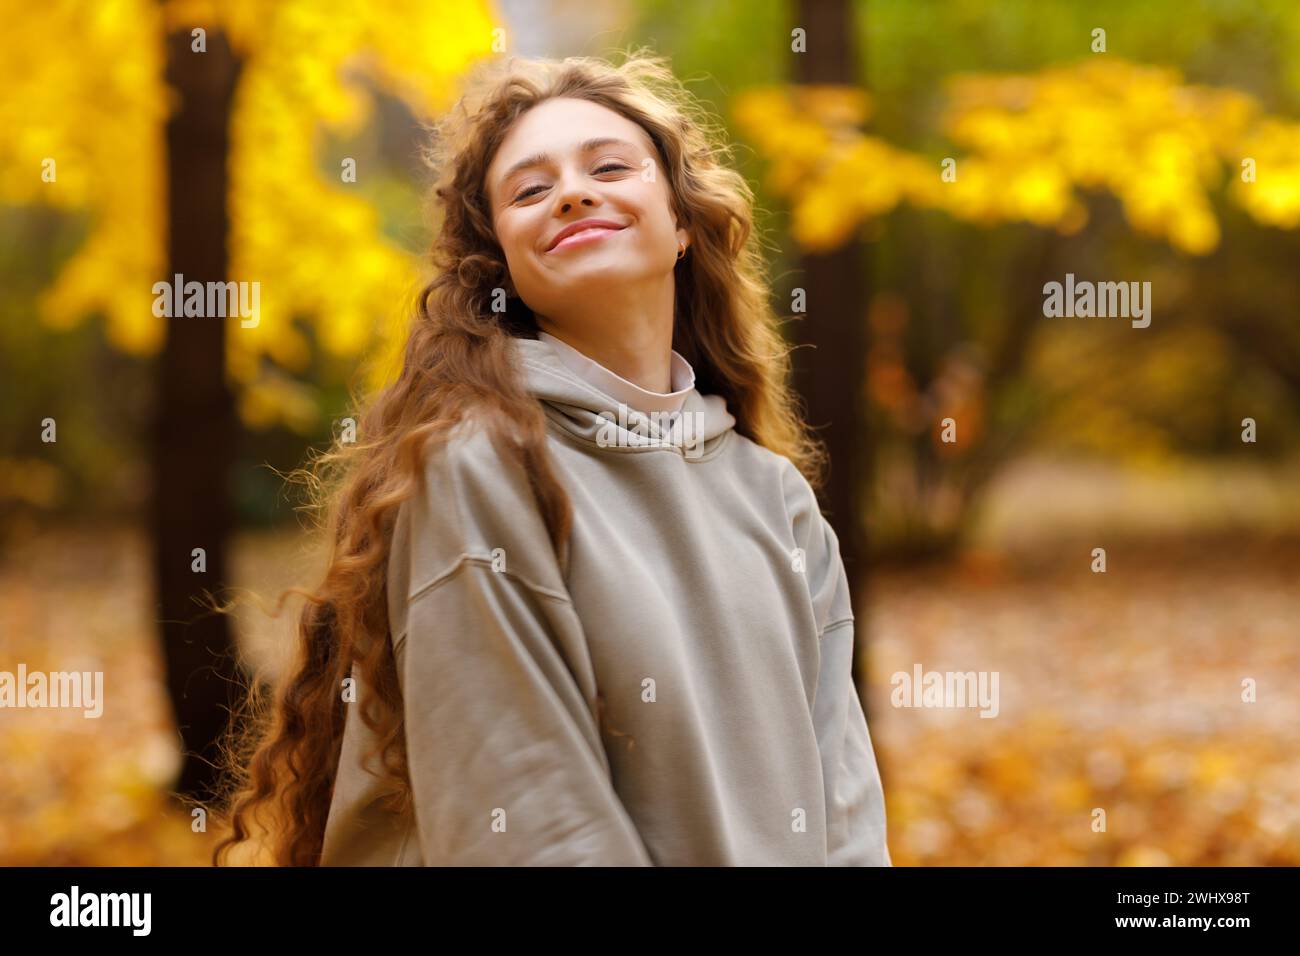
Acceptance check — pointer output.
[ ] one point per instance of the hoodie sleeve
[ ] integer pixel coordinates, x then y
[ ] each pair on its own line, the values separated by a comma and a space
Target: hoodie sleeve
504, 750
855, 801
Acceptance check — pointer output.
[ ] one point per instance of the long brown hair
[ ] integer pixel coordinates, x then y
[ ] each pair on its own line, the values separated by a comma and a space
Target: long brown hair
283, 755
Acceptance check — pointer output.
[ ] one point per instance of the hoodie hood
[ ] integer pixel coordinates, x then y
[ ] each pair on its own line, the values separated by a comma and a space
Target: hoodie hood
589, 414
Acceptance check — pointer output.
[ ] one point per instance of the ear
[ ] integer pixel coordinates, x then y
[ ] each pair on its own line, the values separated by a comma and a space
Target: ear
684, 236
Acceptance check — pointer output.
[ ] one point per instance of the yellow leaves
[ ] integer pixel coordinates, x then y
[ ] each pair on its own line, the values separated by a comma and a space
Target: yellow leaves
1010, 773
1032, 143
1274, 196
1039, 193
833, 106
93, 280
1119, 696
1215, 767
989, 192
989, 130
1129, 129
1143, 856
73, 790
793, 142
274, 399
74, 98
1071, 795
822, 221
313, 243
384, 362
958, 798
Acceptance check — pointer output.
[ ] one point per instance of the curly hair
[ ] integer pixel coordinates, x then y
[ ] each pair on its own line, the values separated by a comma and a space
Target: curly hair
282, 756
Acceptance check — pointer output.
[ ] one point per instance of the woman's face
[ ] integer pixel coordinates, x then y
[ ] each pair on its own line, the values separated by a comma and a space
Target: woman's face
580, 161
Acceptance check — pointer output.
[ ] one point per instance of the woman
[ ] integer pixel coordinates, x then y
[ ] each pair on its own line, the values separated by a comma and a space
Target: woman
582, 607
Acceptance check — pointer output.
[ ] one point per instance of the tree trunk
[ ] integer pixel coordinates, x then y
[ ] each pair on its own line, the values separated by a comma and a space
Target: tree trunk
195, 421
830, 375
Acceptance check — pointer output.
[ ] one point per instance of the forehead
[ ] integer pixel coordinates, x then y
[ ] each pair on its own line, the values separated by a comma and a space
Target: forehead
558, 127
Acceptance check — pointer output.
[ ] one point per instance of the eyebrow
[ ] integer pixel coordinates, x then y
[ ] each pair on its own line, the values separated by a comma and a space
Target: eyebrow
540, 159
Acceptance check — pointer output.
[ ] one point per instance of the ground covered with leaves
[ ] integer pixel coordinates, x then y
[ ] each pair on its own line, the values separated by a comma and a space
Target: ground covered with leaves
1119, 692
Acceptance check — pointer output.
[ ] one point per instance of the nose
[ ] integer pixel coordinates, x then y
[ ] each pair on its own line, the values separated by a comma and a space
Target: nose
573, 189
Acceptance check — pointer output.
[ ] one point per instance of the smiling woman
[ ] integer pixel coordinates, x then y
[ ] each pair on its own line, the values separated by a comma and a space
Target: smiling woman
538, 642
590, 233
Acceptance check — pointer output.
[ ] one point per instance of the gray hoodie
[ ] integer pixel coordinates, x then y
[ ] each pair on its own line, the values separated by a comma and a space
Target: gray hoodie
675, 689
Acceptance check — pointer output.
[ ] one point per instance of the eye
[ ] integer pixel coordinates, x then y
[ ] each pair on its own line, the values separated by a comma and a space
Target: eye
608, 167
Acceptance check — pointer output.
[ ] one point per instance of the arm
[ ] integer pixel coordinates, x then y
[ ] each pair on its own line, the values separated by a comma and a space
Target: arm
505, 755
855, 802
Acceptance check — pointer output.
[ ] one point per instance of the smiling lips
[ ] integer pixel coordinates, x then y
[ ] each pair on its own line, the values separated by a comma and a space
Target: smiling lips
584, 231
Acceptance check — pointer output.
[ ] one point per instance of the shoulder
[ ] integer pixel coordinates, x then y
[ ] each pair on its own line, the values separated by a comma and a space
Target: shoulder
818, 544
470, 451
475, 473
810, 531
473, 501
802, 508
762, 466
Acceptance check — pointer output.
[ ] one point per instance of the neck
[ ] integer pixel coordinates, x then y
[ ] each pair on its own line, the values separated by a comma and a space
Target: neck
630, 333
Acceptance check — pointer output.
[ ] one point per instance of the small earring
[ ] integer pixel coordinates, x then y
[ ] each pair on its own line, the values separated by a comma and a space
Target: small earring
681, 249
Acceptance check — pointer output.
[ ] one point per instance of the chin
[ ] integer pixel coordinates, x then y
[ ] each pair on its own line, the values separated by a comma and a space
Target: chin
609, 271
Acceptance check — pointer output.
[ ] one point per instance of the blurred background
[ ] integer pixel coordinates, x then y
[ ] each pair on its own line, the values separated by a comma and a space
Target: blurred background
922, 169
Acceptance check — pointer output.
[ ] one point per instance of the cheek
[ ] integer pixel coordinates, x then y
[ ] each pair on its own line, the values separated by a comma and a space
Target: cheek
656, 208
519, 235
511, 242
